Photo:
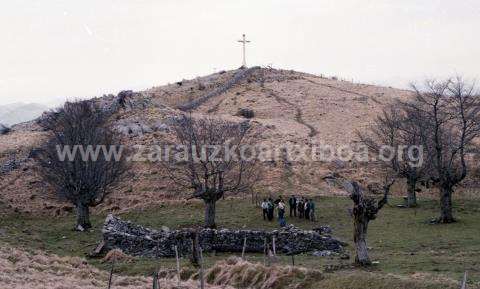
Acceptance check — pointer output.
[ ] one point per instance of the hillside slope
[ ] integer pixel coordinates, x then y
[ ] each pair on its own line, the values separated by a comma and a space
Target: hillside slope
290, 108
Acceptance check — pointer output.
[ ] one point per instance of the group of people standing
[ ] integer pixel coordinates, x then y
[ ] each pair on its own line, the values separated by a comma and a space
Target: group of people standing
268, 208
301, 207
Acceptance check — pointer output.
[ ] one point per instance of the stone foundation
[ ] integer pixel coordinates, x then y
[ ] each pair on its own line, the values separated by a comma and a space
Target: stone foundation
139, 241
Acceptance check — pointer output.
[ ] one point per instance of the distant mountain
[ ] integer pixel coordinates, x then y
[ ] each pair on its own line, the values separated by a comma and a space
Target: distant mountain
14, 113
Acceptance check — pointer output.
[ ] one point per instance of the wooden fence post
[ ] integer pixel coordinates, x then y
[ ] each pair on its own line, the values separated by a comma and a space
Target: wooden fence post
244, 246
178, 264
274, 249
111, 271
464, 282
195, 246
155, 280
265, 252
156, 284
202, 278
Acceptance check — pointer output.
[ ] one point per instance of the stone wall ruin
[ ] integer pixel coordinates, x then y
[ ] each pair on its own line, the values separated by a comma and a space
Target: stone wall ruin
139, 241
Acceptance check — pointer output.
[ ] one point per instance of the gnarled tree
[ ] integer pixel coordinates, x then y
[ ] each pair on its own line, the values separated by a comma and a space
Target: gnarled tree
212, 164
364, 210
82, 159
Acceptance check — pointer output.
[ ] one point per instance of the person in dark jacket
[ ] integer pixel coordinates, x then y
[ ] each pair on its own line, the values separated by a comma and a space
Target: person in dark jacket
301, 208
292, 202
270, 209
312, 210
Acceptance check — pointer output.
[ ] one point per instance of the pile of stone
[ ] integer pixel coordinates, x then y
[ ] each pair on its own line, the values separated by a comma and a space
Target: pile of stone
139, 241
138, 127
11, 163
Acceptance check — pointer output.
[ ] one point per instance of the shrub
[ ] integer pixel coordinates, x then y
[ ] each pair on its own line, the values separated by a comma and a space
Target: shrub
246, 113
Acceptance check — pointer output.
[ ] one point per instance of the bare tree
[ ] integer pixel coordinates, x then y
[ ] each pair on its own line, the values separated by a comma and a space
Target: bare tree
211, 163
95, 163
364, 210
403, 137
450, 112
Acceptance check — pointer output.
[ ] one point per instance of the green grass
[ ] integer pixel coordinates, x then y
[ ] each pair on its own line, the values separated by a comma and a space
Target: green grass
401, 239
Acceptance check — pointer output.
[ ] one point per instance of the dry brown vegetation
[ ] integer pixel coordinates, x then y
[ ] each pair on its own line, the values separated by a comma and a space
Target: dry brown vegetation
21, 270
243, 274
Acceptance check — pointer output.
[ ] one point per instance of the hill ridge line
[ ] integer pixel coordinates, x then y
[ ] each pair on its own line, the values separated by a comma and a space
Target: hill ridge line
337, 88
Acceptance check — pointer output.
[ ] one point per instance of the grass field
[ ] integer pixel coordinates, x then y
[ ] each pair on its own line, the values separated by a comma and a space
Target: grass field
401, 240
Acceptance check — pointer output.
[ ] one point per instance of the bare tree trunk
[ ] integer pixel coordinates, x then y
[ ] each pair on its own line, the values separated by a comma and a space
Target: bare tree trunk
446, 207
360, 239
411, 194
83, 217
210, 214
364, 210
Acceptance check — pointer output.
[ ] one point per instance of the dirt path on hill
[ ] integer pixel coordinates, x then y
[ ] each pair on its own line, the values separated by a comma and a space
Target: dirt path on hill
298, 112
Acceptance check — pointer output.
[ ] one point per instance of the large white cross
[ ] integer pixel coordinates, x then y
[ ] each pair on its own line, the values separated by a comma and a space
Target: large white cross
244, 41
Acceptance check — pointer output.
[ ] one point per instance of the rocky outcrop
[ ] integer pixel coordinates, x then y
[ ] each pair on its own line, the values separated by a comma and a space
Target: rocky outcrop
11, 163
138, 127
130, 100
139, 241
127, 100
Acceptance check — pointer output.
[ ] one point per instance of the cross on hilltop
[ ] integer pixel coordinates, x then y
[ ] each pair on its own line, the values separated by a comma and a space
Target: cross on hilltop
244, 42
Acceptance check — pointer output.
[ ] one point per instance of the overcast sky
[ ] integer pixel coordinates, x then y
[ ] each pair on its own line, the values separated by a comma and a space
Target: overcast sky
51, 50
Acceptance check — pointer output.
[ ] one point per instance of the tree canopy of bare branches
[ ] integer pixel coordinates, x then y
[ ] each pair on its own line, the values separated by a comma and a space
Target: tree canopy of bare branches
212, 164
404, 138
82, 179
450, 112
444, 118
